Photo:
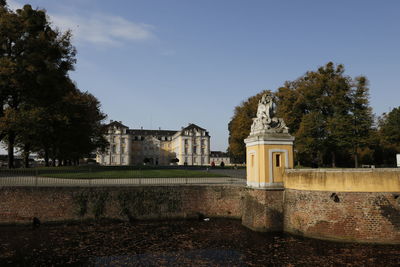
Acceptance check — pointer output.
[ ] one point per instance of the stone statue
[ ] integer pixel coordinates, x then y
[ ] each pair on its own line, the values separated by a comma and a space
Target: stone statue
266, 121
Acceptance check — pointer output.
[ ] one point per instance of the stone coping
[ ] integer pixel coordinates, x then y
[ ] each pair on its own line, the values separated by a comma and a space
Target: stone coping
343, 180
344, 170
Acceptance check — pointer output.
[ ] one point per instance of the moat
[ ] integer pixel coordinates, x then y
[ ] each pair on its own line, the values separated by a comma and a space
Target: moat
217, 242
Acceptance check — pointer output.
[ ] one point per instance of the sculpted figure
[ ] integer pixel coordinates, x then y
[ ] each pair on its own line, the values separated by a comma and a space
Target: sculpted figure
265, 108
266, 121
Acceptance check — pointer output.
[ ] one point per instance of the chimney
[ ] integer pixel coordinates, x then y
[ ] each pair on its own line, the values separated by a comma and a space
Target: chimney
141, 127
111, 121
159, 128
120, 122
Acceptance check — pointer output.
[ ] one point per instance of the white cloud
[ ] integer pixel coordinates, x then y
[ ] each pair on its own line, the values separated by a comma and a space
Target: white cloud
14, 4
98, 29
103, 29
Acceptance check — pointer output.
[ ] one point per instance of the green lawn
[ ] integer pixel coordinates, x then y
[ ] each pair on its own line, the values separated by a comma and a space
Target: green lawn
132, 174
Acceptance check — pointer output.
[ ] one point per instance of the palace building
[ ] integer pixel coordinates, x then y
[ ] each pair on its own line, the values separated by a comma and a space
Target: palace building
218, 157
189, 146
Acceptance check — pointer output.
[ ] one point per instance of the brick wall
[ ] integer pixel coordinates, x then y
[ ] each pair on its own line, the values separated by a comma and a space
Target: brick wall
344, 216
263, 209
19, 205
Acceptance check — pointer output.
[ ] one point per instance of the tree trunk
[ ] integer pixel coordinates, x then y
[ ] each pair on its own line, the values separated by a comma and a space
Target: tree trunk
333, 159
46, 157
26, 155
355, 159
11, 141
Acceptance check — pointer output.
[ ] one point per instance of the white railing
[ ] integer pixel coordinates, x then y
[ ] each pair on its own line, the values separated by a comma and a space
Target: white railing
36, 181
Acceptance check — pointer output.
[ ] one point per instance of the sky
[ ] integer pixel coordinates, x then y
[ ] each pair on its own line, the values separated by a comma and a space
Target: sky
168, 63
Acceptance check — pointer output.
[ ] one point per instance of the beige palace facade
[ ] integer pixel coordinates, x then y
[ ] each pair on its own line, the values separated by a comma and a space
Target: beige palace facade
189, 146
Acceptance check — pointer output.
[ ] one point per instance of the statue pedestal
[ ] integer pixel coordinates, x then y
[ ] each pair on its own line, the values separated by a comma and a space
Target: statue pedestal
267, 156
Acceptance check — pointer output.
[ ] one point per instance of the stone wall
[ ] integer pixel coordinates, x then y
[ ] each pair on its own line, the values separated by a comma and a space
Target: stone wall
263, 209
20, 205
349, 212
344, 216
325, 204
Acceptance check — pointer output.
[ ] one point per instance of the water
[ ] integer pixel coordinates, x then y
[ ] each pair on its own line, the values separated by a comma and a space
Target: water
178, 243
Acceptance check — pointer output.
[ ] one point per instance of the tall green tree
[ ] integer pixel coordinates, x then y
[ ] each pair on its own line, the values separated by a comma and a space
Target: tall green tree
83, 131
239, 127
41, 108
327, 111
362, 118
33, 59
389, 132
316, 109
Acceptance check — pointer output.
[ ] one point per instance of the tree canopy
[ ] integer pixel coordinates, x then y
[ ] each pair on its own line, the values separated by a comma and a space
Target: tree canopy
239, 127
42, 110
389, 133
327, 111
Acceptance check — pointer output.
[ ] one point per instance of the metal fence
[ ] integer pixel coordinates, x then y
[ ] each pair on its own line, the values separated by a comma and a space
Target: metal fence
96, 177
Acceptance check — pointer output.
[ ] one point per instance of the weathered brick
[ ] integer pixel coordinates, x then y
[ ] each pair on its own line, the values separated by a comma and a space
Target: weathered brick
359, 216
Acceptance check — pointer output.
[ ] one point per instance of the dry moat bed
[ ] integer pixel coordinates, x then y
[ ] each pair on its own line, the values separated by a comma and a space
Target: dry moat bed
178, 243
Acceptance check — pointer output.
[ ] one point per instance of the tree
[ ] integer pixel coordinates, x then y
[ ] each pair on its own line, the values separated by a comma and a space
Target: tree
33, 60
316, 110
362, 118
389, 132
329, 114
327, 111
239, 127
174, 161
83, 130
41, 108
26, 140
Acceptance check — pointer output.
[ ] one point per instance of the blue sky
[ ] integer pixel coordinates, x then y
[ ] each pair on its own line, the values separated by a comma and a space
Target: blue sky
167, 63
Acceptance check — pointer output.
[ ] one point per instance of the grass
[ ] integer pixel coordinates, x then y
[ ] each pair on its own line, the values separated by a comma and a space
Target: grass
161, 173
